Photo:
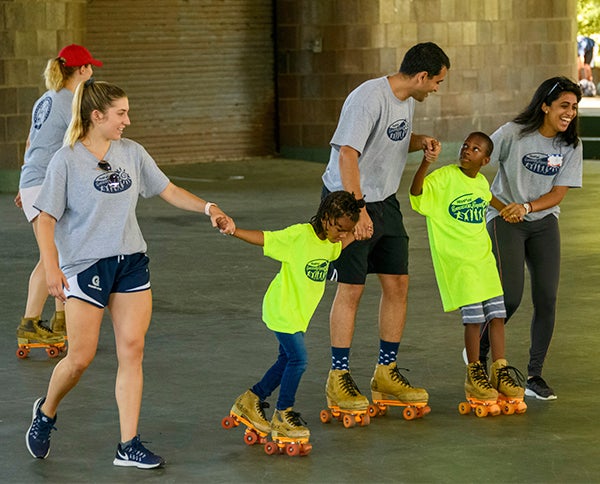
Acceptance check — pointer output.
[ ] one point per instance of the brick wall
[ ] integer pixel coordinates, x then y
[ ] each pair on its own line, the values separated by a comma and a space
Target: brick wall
31, 32
500, 51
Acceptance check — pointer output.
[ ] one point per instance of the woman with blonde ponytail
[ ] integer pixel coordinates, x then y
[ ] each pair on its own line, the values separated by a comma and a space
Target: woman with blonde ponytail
50, 118
88, 221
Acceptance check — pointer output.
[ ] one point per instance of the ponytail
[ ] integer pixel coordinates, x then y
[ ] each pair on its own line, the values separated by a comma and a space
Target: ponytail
89, 96
56, 74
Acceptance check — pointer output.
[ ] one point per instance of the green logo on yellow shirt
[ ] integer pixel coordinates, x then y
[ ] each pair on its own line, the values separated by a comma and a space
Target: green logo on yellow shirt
468, 209
316, 270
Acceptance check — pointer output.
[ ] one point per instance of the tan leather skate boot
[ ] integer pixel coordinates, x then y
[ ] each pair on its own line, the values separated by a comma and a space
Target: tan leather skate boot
342, 392
477, 385
248, 407
288, 424
389, 384
31, 330
58, 323
503, 382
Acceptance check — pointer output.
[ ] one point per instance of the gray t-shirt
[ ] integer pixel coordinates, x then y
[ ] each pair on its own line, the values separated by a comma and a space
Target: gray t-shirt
95, 209
50, 119
529, 166
378, 125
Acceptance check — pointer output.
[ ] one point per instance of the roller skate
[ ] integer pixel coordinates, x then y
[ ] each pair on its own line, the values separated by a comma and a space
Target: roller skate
345, 401
31, 333
482, 398
59, 324
288, 434
510, 392
389, 388
250, 411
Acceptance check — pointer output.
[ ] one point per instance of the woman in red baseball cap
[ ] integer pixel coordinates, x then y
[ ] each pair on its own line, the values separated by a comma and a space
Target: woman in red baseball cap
50, 118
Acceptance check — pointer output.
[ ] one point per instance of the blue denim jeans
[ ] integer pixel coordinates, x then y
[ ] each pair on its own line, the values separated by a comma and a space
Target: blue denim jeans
286, 371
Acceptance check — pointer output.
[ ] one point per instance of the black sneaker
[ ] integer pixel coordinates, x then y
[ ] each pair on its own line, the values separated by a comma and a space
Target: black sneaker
38, 435
538, 388
136, 455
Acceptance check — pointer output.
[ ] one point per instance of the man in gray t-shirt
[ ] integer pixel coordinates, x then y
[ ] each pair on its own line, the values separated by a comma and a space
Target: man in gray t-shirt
368, 154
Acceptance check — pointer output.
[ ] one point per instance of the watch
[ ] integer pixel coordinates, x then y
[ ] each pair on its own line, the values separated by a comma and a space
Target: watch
527, 206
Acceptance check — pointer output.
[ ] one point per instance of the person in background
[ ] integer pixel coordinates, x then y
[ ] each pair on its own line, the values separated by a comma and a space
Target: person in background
50, 119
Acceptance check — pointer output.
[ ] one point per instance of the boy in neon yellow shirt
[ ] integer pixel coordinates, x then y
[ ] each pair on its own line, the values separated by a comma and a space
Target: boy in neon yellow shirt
305, 251
454, 199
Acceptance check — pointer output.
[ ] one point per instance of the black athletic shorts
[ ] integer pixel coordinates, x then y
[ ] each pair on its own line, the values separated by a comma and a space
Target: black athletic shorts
384, 253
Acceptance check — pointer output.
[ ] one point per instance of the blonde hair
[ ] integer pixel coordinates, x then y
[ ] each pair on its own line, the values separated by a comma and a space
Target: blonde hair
90, 96
56, 73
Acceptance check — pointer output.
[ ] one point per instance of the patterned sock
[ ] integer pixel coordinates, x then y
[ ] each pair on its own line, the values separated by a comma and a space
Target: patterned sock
340, 358
387, 352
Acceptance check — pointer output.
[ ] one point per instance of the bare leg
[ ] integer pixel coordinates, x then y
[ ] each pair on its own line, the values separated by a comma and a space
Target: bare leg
343, 314
131, 313
472, 332
392, 308
497, 338
83, 325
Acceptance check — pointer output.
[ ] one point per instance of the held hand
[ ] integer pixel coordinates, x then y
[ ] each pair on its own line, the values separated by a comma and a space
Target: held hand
363, 230
431, 150
18, 201
56, 280
513, 213
225, 225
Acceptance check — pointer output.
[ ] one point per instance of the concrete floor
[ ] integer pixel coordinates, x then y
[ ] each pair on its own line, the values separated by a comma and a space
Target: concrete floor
207, 344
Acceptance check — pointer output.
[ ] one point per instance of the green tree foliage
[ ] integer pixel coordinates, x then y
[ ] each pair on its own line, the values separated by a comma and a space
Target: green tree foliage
588, 17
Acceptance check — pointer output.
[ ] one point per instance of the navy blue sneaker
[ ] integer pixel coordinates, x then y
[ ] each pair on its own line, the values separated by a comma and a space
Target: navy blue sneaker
38, 435
136, 455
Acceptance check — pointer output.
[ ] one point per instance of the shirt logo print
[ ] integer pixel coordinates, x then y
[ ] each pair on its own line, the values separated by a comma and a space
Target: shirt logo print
468, 209
398, 130
541, 163
42, 111
113, 181
316, 270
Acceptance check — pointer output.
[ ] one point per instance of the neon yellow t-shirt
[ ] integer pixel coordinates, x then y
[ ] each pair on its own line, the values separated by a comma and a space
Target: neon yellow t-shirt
294, 294
461, 249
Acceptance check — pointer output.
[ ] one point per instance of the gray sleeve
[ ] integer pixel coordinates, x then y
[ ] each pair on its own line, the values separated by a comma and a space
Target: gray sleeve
152, 180
53, 194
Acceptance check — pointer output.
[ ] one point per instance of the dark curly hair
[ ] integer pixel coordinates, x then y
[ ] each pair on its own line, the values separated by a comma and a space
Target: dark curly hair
532, 117
336, 205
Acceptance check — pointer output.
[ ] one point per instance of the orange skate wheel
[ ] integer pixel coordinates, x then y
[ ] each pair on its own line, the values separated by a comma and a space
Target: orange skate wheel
305, 448
521, 407
271, 448
464, 408
250, 437
292, 449
426, 410
52, 351
364, 419
373, 410
481, 411
508, 409
409, 413
494, 410
22, 353
229, 422
325, 416
349, 421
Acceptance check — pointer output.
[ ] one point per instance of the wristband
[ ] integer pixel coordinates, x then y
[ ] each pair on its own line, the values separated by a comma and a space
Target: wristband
207, 208
527, 207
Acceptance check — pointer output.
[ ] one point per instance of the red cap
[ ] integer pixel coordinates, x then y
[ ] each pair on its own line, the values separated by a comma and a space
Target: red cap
77, 55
